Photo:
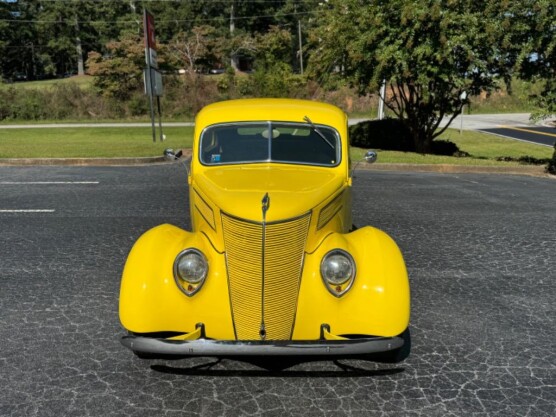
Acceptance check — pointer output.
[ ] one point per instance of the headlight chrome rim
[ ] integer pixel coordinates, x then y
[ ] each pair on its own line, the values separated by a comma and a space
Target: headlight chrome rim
190, 286
338, 288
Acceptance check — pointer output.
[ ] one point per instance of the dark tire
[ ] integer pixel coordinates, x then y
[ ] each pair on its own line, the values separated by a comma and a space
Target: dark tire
396, 355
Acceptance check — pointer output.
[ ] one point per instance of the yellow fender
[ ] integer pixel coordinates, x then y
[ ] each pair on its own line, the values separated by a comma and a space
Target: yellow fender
378, 302
150, 300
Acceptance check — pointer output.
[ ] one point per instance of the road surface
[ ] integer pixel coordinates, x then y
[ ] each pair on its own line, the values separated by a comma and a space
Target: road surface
539, 135
479, 251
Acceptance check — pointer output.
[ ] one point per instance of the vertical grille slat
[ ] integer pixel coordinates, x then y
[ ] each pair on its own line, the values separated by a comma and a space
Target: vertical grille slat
284, 247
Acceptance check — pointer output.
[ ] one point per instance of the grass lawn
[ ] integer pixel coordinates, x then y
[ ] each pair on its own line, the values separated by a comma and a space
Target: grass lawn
84, 81
90, 142
96, 142
482, 147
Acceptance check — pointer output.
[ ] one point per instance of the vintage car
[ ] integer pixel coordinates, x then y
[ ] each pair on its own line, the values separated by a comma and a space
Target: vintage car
273, 264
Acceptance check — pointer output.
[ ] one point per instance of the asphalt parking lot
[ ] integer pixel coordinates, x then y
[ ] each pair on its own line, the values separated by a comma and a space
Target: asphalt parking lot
480, 252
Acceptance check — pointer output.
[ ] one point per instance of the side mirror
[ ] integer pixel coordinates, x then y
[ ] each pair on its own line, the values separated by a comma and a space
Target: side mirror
170, 155
370, 157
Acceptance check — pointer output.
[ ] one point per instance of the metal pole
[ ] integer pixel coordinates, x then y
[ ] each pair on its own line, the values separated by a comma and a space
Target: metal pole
381, 100
148, 73
159, 118
462, 97
461, 120
151, 93
300, 46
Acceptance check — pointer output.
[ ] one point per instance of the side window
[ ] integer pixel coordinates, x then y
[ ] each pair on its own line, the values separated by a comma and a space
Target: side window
210, 147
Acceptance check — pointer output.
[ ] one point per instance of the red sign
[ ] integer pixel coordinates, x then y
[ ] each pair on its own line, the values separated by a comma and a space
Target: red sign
148, 23
150, 42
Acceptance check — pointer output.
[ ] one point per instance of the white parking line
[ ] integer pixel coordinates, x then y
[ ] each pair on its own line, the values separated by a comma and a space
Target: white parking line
41, 183
46, 182
28, 211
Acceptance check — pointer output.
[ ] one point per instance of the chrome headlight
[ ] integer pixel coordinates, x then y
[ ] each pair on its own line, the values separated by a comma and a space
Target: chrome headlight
338, 271
190, 270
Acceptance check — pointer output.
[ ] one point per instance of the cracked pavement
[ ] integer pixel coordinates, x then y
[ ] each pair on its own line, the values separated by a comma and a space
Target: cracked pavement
479, 251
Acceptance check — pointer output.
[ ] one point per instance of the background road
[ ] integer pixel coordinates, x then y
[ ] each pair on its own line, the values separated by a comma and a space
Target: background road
466, 122
540, 135
479, 250
510, 125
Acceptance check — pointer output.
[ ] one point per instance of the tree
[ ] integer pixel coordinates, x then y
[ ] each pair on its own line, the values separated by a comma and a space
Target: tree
18, 40
196, 51
39, 38
534, 48
120, 71
430, 52
273, 75
240, 45
274, 47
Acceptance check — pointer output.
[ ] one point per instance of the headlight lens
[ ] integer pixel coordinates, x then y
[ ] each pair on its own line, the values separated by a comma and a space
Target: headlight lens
338, 271
190, 270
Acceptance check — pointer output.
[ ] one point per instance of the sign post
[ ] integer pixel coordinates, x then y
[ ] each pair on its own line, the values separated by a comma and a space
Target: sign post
462, 97
152, 77
382, 95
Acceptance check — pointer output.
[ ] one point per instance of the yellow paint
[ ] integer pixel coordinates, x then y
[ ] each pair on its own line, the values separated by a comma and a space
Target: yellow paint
151, 303
378, 301
188, 336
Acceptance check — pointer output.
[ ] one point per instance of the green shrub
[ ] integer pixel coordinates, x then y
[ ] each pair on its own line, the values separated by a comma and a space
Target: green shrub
6, 103
277, 81
551, 168
138, 106
386, 134
393, 135
526, 160
31, 106
446, 148
245, 87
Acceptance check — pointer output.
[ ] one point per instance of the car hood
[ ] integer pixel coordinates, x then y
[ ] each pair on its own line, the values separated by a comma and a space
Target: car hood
239, 190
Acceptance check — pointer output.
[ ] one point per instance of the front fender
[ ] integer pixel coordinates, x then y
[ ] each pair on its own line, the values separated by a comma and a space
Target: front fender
378, 302
150, 300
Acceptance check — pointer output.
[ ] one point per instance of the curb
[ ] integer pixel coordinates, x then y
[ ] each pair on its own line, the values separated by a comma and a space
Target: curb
533, 171
80, 161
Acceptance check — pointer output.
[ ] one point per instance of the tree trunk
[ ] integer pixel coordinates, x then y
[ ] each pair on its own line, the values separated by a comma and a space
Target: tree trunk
422, 141
233, 58
78, 50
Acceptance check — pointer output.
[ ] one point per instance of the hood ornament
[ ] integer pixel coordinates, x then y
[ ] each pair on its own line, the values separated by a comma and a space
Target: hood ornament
265, 206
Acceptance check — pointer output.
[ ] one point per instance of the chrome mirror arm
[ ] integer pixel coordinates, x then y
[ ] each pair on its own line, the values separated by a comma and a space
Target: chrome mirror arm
370, 158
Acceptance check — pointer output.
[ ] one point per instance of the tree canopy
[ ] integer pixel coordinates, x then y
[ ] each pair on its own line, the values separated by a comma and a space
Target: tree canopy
52, 37
433, 54
531, 37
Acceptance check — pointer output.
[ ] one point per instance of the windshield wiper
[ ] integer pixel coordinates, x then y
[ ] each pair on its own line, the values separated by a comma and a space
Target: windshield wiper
316, 129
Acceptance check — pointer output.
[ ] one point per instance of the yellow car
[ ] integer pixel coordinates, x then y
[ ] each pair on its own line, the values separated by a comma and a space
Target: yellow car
273, 265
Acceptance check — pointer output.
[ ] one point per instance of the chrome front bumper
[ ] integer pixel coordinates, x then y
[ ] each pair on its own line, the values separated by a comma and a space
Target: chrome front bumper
230, 348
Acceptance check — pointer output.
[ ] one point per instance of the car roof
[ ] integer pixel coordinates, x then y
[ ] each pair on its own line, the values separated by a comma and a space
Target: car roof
270, 109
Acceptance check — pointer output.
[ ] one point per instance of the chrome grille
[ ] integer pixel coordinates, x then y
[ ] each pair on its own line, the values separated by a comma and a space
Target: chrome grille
284, 248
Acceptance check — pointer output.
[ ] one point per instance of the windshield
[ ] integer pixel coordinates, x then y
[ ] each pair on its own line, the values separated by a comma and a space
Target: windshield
270, 142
